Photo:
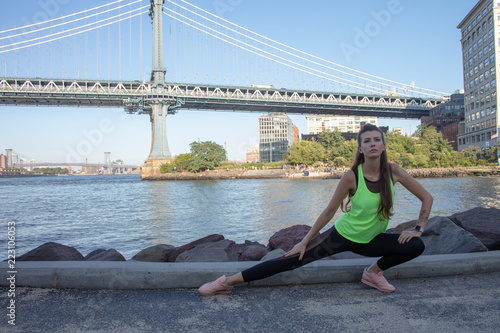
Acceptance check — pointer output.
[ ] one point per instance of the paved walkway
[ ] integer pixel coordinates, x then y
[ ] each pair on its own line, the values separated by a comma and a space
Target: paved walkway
462, 303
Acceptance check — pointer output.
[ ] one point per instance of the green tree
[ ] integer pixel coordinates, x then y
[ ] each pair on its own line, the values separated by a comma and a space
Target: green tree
438, 149
329, 140
306, 152
51, 171
205, 155
347, 150
333, 142
182, 161
490, 155
340, 161
167, 167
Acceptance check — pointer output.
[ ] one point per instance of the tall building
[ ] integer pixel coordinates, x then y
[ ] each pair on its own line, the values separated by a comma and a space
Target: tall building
275, 137
446, 118
480, 54
253, 154
295, 132
8, 153
345, 124
3, 162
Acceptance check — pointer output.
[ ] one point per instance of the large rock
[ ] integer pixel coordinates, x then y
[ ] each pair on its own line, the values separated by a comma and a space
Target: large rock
155, 253
286, 238
106, 255
242, 247
442, 236
52, 251
484, 223
273, 255
222, 251
93, 253
207, 239
253, 253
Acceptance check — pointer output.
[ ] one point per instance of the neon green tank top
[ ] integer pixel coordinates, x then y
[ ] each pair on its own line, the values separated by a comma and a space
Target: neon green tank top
361, 223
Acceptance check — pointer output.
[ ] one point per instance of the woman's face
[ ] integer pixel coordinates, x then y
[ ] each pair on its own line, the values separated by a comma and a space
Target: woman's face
372, 144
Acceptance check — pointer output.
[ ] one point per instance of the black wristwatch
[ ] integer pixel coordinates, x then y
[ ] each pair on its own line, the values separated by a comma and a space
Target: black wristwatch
419, 228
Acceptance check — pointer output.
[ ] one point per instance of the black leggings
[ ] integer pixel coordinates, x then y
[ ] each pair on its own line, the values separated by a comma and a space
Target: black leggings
331, 242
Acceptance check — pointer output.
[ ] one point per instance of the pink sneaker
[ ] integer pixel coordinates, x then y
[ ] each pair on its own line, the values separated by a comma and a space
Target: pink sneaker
377, 281
215, 287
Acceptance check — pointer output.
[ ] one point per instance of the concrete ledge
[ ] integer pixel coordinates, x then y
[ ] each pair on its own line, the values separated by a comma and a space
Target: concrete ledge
149, 275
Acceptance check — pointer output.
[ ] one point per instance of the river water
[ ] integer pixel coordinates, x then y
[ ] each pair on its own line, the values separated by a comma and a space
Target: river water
128, 214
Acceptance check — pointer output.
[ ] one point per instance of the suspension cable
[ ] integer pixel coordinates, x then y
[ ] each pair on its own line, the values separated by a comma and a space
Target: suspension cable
58, 18
72, 29
347, 81
65, 23
277, 61
73, 34
400, 85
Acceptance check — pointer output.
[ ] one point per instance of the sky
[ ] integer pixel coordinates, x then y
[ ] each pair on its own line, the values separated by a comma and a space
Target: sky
414, 41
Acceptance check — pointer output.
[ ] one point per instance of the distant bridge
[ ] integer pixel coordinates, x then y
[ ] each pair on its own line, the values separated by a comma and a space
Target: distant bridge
64, 164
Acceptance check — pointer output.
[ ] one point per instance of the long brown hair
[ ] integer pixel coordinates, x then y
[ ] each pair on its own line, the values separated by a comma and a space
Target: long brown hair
385, 206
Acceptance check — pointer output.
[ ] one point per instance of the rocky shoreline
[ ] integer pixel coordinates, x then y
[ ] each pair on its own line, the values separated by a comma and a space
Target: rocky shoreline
315, 174
475, 230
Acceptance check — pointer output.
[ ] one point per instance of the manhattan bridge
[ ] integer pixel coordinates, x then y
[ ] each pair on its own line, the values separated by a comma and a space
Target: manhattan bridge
68, 53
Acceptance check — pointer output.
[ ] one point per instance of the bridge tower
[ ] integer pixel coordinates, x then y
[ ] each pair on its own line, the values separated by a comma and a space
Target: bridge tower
158, 103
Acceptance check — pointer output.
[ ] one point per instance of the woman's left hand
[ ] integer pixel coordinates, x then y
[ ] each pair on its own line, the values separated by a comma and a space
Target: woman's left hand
407, 235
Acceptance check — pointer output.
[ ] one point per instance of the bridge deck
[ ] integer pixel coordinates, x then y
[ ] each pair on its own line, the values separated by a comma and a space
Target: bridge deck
135, 96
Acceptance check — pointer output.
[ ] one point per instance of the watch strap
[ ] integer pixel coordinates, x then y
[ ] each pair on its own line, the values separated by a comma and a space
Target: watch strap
419, 228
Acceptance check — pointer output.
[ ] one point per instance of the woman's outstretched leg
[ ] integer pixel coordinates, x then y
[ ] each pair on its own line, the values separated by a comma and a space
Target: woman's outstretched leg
325, 244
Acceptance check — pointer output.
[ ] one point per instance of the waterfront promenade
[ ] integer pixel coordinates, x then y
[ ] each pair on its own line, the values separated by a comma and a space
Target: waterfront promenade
440, 293
462, 303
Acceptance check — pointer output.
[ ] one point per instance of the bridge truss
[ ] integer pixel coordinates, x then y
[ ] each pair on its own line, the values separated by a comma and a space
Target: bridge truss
133, 96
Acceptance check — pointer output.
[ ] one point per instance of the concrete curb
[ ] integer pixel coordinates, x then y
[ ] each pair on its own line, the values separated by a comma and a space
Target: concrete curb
150, 275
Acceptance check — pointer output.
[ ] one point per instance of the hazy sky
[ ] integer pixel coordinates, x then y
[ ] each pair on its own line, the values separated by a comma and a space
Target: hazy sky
417, 42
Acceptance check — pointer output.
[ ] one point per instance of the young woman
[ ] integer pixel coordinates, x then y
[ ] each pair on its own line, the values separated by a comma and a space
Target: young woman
369, 186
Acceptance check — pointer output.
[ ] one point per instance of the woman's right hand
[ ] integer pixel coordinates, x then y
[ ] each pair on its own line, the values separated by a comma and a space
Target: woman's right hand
299, 248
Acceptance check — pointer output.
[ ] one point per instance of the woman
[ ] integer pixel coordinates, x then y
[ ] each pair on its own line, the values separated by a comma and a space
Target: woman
369, 186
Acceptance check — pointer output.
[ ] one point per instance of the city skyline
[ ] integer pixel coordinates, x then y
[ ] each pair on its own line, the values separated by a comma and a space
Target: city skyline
418, 42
